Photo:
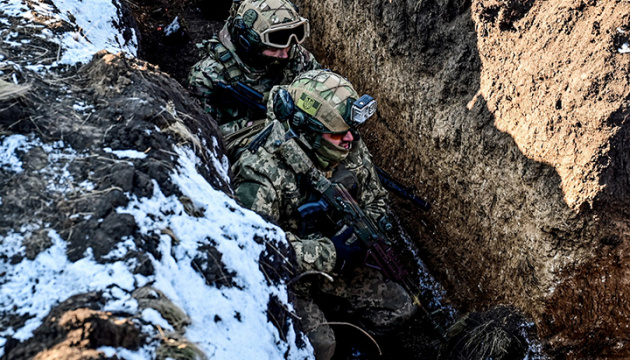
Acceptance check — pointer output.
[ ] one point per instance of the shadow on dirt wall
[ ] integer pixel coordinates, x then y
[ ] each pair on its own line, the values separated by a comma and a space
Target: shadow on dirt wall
468, 229
499, 224
588, 315
171, 28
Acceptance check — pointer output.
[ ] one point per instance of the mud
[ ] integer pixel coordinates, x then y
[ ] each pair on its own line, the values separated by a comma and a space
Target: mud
510, 117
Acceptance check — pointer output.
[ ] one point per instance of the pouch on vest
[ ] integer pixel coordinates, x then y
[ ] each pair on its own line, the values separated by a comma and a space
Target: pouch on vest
237, 134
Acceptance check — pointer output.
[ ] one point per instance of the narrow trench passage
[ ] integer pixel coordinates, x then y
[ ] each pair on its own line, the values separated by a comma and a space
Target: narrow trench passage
169, 32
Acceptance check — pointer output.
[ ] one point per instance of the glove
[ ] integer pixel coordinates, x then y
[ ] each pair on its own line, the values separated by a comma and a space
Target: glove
350, 253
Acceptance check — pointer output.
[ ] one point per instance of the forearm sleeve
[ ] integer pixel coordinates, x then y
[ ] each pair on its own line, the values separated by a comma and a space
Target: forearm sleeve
314, 252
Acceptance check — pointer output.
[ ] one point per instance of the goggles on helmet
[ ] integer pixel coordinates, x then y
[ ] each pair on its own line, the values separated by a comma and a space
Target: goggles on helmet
361, 110
280, 36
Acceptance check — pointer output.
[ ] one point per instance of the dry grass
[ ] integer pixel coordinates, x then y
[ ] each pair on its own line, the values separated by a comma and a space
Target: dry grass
495, 334
149, 297
488, 342
9, 90
179, 129
176, 348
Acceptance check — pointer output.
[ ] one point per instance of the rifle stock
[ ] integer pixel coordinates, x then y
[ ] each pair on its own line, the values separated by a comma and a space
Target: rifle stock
240, 94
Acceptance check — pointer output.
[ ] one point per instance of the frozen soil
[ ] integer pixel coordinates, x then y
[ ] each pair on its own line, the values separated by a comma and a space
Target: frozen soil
91, 138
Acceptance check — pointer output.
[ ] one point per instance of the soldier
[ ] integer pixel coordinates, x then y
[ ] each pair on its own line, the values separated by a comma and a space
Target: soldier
259, 46
310, 141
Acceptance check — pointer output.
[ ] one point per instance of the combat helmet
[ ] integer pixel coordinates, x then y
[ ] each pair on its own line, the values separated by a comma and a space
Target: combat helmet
256, 25
322, 102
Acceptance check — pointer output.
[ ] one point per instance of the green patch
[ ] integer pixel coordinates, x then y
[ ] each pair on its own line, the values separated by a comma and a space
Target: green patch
249, 18
308, 104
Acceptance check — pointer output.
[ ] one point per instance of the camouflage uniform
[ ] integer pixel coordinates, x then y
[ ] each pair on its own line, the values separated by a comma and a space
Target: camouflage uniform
271, 182
223, 64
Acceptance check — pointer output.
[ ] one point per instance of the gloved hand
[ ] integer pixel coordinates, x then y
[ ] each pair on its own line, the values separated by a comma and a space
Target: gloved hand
350, 253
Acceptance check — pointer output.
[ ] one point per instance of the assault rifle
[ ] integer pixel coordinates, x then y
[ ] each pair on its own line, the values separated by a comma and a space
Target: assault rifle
399, 189
341, 207
240, 94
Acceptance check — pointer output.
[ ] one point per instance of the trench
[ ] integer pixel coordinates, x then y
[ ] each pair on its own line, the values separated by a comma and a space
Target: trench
174, 52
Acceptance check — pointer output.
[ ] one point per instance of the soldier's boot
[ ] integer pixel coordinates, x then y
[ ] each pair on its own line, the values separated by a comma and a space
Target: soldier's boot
322, 337
379, 306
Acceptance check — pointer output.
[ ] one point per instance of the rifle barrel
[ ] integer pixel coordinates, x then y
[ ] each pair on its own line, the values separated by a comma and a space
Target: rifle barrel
399, 189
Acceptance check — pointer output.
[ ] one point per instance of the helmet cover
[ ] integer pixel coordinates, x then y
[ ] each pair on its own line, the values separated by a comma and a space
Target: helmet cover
325, 97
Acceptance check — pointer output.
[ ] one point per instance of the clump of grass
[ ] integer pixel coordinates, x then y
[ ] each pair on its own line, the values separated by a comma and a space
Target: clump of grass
178, 349
498, 334
149, 297
9, 90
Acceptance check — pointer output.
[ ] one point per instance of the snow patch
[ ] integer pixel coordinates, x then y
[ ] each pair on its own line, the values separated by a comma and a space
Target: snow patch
243, 327
126, 354
222, 166
130, 154
96, 27
33, 287
172, 27
154, 317
8, 147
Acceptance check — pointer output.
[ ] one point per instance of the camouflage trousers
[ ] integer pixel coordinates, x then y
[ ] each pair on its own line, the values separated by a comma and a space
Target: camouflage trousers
364, 296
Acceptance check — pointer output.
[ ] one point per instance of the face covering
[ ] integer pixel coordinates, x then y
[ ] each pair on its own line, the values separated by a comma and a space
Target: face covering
330, 155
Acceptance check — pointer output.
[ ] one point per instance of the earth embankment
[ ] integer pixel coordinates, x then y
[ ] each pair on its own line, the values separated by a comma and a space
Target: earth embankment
512, 119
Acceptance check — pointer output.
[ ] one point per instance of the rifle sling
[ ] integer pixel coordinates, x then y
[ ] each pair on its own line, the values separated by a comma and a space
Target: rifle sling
235, 138
297, 159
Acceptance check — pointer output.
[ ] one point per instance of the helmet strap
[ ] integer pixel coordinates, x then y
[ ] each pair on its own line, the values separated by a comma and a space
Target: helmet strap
317, 143
244, 44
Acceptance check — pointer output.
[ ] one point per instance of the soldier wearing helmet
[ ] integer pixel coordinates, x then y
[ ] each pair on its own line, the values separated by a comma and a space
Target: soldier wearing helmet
312, 131
259, 46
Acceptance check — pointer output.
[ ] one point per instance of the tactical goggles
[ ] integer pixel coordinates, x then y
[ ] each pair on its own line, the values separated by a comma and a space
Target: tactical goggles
281, 36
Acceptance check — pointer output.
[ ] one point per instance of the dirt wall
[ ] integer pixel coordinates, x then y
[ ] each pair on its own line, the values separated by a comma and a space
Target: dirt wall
511, 118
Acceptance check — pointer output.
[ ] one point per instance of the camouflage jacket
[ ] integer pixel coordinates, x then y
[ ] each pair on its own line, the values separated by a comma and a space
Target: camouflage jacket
222, 64
269, 182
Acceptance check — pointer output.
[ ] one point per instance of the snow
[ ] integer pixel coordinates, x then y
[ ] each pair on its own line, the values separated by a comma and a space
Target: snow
154, 317
81, 106
99, 22
243, 328
34, 286
58, 157
172, 27
130, 154
125, 354
8, 158
223, 165
96, 27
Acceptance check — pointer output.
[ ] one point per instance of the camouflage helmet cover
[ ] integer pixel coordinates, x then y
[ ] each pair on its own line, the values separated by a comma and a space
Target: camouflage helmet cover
325, 96
262, 16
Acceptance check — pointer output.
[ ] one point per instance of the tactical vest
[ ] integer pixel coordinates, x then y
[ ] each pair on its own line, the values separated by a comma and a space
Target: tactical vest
231, 70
